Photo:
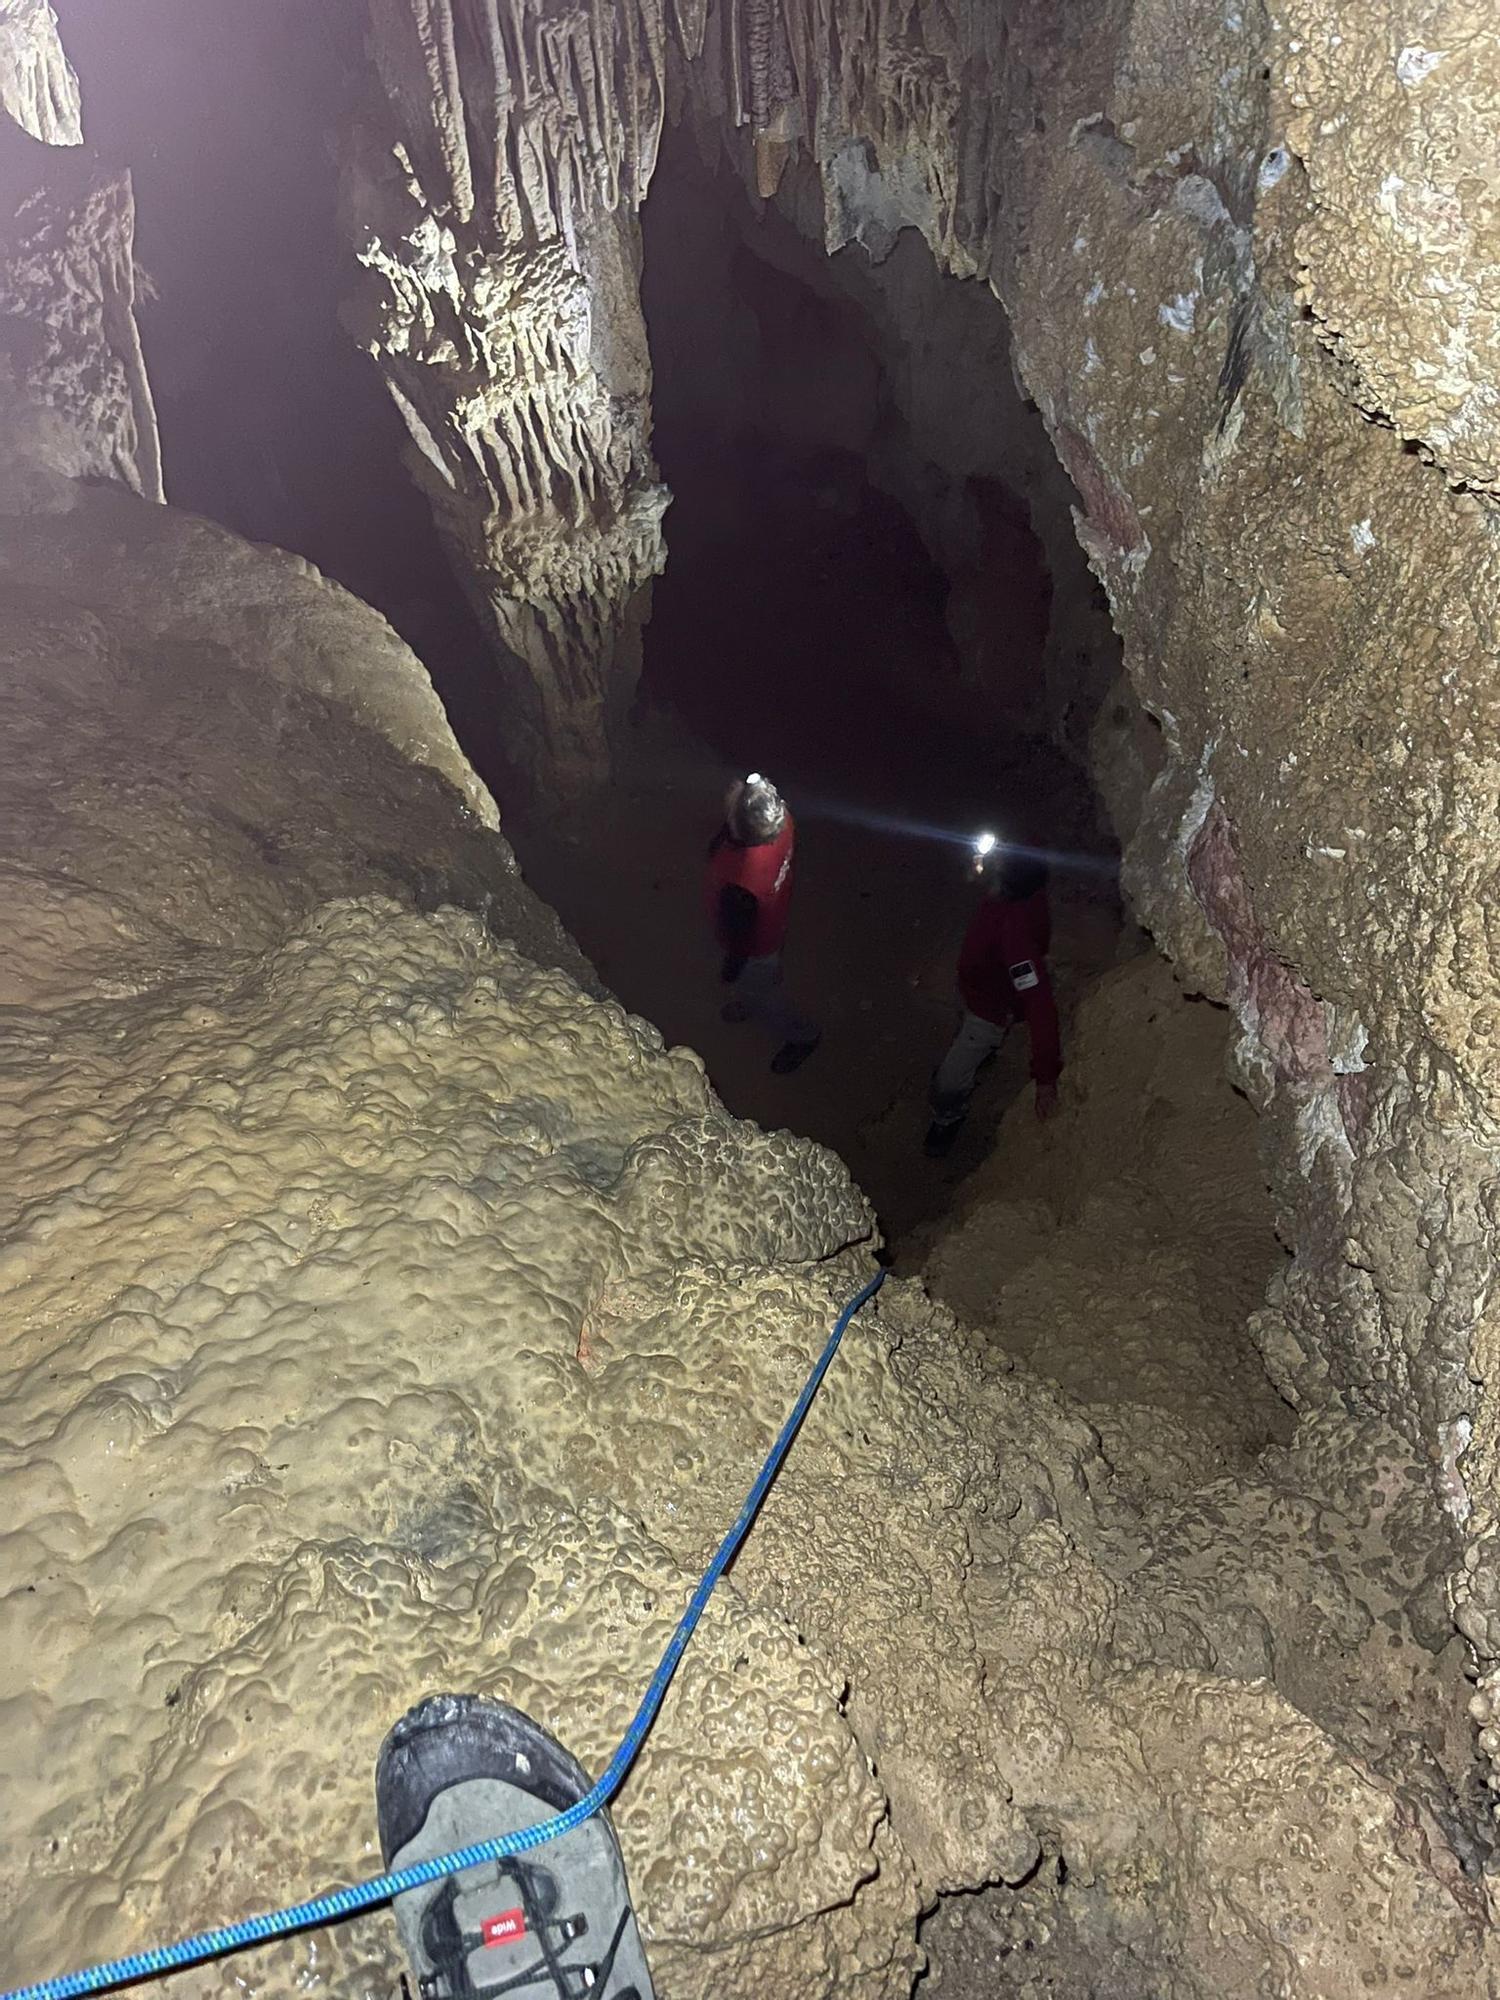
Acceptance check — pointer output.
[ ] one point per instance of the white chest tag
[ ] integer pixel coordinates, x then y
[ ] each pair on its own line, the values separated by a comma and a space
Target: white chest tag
1023, 975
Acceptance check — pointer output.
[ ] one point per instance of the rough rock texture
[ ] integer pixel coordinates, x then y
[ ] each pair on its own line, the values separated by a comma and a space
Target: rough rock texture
491, 197
73, 390
189, 587
1240, 288
388, 1309
501, 296
1165, 1237
1304, 1573
72, 379
38, 89
1310, 611
388, 1312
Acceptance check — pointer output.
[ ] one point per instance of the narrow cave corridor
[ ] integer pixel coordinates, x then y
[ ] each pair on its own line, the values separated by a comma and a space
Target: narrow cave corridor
803, 626
973, 419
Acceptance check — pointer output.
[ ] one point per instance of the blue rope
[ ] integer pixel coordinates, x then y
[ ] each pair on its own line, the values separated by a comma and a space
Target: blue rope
368, 1895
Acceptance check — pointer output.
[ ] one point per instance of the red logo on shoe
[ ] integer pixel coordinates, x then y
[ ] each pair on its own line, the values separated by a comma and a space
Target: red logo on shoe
509, 1925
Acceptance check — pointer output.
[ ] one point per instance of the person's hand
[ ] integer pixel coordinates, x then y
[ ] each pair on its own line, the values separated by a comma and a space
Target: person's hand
1046, 1100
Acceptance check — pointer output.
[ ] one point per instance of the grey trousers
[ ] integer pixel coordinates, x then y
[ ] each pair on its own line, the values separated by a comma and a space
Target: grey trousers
954, 1079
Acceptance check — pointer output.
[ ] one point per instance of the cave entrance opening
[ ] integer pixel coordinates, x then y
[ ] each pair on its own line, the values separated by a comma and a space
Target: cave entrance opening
855, 601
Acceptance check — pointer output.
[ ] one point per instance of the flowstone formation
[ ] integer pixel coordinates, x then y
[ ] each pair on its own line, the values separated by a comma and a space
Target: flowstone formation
500, 249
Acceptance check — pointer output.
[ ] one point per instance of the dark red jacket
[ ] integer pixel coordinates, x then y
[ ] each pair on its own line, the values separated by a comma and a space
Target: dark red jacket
749, 890
1003, 976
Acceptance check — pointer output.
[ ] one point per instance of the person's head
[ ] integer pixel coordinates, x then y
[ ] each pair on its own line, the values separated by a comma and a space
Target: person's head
754, 810
1010, 874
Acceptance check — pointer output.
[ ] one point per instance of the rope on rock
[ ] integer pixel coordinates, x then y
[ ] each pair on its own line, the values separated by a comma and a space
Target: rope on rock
340, 1903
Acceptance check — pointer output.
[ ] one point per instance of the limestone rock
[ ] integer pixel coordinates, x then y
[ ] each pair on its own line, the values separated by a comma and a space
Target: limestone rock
72, 379
190, 586
37, 86
389, 1310
498, 239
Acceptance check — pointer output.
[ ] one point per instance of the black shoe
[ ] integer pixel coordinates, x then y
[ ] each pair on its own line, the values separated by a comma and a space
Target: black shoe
941, 1139
552, 1924
792, 1055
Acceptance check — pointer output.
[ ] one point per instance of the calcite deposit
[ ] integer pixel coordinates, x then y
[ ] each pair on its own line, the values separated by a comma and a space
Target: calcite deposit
499, 250
389, 1310
38, 88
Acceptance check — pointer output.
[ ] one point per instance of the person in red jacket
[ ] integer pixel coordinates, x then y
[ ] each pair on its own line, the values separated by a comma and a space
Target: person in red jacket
1002, 978
748, 890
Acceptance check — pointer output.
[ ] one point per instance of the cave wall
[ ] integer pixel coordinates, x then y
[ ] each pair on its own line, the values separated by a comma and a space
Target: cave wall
1309, 607
491, 195
373, 1284
1249, 295
72, 378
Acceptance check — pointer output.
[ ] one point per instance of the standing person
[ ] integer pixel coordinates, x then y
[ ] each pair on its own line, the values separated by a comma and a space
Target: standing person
749, 890
1002, 978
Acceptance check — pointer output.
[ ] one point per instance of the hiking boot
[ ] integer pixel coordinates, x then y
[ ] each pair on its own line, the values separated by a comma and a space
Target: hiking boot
553, 1924
792, 1055
941, 1139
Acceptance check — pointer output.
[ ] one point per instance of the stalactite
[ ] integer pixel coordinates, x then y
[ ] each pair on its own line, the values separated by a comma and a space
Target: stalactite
561, 110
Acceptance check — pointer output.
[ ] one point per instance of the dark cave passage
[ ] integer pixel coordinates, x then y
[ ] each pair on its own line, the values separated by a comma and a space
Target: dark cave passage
804, 627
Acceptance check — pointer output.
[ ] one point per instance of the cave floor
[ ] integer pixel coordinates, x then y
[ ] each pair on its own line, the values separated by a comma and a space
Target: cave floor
876, 924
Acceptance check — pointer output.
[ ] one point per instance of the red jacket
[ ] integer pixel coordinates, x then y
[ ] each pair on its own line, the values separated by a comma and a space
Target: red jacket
748, 891
1003, 977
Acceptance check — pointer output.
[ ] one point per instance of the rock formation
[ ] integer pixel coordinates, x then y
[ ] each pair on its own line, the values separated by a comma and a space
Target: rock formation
501, 296
1239, 291
389, 1309
38, 89
72, 379
1248, 297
